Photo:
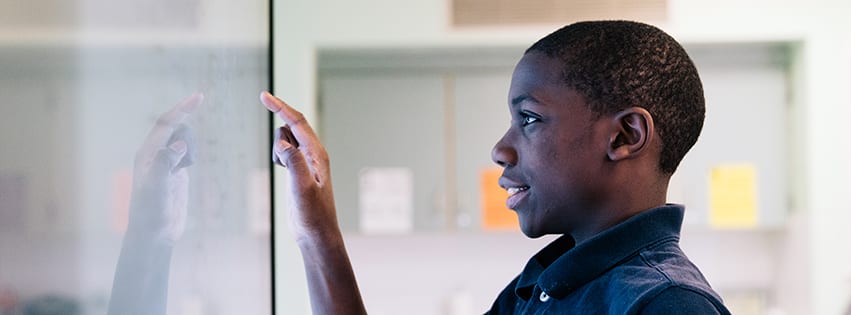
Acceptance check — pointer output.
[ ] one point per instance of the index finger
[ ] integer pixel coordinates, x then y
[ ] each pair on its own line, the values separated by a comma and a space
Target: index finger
294, 119
169, 121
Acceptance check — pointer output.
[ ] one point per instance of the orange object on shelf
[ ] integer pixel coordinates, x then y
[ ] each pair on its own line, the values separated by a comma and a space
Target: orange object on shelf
495, 215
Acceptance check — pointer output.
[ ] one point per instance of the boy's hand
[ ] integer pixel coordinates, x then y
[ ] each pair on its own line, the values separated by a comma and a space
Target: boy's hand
298, 149
313, 219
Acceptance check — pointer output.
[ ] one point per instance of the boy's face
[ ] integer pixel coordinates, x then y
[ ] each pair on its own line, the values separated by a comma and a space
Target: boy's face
553, 153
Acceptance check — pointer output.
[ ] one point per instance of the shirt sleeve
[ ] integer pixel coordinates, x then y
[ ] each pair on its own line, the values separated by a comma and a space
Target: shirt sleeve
678, 300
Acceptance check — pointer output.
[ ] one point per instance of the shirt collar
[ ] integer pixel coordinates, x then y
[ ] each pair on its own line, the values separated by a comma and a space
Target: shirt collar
562, 267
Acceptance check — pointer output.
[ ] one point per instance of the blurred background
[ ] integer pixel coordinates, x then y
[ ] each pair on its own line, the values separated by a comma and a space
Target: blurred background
409, 96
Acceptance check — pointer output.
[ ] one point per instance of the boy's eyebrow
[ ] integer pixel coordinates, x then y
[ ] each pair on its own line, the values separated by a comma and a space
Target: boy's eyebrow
524, 97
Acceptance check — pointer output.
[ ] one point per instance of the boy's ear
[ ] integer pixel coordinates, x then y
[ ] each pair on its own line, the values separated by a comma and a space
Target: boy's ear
632, 132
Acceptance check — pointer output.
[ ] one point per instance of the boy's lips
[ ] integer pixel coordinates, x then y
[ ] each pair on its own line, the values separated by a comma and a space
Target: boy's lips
515, 196
516, 192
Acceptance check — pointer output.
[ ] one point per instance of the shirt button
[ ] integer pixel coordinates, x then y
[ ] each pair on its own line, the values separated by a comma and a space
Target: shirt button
544, 297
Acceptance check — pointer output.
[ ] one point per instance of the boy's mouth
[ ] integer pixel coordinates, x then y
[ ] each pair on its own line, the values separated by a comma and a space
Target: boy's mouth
516, 191
515, 195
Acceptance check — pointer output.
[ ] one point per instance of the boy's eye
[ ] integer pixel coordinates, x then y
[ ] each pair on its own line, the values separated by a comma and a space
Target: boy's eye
526, 119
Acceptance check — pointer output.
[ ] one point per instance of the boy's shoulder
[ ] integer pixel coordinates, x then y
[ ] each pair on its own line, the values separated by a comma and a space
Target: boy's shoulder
658, 277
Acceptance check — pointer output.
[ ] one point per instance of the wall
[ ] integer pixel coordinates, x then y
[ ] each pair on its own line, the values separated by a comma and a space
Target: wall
822, 102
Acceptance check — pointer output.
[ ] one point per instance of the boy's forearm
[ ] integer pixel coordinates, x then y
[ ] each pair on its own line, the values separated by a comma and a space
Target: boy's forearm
331, 280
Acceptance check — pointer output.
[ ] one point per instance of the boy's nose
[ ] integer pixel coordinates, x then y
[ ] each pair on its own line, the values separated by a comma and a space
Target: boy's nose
503, 154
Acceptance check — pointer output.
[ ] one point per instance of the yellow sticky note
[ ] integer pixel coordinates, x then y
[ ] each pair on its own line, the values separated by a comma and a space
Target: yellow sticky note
733, 196
495, 214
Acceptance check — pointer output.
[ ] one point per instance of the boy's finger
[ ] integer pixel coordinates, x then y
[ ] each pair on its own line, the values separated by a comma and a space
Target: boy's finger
283, 138
290, 157
302, 131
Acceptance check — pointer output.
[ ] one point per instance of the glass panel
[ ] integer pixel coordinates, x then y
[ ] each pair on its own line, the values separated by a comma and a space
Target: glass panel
355, 129
82, 86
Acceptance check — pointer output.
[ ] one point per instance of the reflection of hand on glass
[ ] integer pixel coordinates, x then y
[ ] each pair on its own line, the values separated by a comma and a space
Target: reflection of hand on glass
158, 207
160, 179
313, 218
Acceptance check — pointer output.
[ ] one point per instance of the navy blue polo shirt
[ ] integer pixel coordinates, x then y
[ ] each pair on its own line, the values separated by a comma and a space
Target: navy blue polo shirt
635, 267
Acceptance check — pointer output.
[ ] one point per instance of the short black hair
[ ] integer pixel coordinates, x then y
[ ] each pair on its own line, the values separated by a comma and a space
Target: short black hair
621, 64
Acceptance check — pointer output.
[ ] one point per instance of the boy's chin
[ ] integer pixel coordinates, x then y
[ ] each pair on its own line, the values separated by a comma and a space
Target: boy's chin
531, 231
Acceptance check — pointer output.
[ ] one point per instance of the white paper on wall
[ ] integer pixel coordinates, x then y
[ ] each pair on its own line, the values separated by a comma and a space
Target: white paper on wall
386, 200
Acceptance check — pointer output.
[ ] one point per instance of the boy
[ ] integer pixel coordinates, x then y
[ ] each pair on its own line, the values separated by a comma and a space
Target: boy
602, 114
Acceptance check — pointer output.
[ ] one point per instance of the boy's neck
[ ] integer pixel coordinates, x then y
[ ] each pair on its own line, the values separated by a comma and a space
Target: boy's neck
622, 206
